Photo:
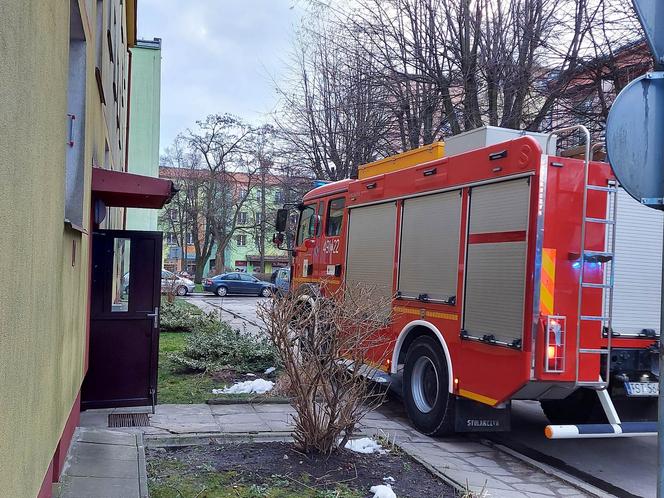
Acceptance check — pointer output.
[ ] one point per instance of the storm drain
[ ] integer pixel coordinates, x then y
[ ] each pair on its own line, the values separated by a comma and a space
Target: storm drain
128, 420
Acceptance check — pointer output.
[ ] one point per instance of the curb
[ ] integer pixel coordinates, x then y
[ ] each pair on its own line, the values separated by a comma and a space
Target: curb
549, 470
142, 467
276, 400
205, 438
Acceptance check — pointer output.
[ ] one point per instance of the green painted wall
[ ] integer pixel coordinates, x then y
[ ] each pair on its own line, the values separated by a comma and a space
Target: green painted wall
144, 115
44, 264
42, 310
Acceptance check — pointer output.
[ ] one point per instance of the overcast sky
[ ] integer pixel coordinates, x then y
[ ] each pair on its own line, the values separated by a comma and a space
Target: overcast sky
218, 56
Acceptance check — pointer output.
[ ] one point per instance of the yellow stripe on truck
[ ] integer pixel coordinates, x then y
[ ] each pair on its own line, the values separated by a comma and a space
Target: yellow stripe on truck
548, 281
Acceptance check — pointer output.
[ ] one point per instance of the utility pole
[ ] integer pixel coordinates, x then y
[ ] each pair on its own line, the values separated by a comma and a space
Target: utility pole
635, 146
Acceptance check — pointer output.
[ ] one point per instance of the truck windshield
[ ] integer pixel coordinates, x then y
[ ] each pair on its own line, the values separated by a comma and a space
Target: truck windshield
307, 225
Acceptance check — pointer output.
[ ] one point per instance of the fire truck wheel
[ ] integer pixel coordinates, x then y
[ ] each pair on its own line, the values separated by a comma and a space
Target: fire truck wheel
426, 378
580, 407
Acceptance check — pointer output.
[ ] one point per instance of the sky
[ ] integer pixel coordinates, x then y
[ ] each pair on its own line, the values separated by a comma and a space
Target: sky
218, 56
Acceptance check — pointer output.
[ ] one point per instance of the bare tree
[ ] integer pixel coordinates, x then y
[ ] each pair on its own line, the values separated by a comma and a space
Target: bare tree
186, 213
330, 114
328, 350
230, 174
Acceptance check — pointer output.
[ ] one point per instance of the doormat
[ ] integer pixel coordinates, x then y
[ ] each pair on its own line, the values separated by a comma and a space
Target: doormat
128, 420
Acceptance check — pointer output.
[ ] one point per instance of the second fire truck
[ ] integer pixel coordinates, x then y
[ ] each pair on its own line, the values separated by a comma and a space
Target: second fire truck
498, 257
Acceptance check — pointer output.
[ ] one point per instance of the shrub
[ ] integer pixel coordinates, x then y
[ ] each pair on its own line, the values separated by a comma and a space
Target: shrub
328, 346
181, 316
217, 346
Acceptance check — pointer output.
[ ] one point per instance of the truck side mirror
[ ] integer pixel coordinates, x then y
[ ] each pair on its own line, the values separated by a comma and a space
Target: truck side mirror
281, 220
278, 239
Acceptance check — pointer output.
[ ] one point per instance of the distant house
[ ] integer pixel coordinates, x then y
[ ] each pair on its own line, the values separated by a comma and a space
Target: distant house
242, 252
64, 96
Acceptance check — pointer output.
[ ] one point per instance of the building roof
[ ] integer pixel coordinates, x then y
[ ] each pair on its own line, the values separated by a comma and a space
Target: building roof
189, 173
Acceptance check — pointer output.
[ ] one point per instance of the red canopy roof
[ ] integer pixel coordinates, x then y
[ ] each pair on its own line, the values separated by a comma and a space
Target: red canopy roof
120, 189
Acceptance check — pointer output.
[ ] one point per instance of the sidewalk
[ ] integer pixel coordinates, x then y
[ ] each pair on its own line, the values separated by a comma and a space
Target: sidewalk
104, 463
458, 460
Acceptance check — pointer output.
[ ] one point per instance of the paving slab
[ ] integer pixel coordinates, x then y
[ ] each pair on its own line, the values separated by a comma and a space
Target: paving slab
460, 461
104, 463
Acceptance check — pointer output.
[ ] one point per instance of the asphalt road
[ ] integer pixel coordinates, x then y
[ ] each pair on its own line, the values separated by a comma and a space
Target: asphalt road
622, 466
627, 464
238, 311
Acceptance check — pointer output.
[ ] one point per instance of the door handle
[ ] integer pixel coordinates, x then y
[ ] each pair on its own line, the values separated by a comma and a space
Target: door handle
155, 317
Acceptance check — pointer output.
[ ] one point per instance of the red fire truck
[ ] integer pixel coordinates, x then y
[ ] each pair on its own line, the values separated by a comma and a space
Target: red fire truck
498, 258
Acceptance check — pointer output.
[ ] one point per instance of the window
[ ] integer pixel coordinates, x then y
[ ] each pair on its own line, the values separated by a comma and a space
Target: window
171, 239
247, 278
259, 195
172, 214
241, 240
318, 220
165, 274
75, 120
190, 238
307, 226
259, 217
242, 218
278, 197
335, 216
120, 281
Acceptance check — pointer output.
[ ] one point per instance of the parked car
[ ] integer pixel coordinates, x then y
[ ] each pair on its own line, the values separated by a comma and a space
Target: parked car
282, 280
180, 286
237, 283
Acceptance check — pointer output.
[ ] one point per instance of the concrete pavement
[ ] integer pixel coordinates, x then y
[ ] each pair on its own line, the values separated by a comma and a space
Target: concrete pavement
104, 463
460, 461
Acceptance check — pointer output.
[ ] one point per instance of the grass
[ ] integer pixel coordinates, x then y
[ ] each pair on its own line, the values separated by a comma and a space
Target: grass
175, 386
199, 288
170, 479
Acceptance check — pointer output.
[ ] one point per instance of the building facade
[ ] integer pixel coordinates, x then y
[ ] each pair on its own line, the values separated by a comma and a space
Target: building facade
64, 99
250, 237
144, 115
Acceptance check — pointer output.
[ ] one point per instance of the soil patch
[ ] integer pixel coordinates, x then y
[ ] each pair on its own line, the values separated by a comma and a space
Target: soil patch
277, 469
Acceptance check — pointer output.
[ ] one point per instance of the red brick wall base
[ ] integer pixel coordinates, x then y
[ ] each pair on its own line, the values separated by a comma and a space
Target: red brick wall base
55, 468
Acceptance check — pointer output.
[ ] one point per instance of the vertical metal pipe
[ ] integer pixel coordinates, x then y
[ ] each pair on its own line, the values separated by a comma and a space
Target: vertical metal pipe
660, 401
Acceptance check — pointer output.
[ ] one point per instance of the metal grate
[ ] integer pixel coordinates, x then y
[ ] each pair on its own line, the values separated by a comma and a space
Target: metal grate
128, 420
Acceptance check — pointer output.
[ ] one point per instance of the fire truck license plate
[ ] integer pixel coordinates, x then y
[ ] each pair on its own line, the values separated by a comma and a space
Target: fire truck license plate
642, 388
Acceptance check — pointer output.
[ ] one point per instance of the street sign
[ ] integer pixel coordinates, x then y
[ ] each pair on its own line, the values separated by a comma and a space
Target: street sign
651, 14
635, 139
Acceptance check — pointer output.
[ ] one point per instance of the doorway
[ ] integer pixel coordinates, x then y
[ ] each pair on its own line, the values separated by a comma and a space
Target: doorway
124, 319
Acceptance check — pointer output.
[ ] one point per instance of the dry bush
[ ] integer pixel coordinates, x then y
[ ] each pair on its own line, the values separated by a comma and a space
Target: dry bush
320, 342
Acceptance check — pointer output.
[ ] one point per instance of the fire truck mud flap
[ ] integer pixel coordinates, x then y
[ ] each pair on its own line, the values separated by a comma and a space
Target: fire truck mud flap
472, 416
587, 431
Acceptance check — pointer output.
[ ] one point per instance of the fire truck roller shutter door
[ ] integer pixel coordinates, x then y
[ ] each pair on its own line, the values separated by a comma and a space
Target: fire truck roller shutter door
496, 261
637, 277
430, 246
370, 255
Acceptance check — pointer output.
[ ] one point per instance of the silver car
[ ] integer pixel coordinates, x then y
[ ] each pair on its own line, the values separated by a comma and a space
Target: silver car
179, 286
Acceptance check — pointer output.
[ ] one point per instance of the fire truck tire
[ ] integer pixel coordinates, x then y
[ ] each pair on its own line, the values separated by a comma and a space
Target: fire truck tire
428, 401
580, 407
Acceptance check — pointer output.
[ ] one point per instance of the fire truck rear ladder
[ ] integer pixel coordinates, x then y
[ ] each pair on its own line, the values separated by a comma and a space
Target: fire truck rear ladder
615, 428
606, 256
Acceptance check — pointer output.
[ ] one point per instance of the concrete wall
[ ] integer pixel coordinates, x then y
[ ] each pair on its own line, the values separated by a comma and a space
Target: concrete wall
144, 118
43, 262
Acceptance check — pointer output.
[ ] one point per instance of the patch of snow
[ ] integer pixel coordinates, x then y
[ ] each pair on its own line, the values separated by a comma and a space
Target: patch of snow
382, 491
251, 375
365, 445
257, 386
389, 480
269, 370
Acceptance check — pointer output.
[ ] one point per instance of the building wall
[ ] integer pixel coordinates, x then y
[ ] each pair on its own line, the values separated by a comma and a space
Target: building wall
43, 261
144, 115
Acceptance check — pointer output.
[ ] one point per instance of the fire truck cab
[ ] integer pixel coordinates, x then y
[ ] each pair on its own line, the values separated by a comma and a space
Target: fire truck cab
498, 256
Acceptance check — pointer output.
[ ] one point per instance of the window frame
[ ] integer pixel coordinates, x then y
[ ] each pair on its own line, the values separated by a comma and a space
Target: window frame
311, 233
327, 216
